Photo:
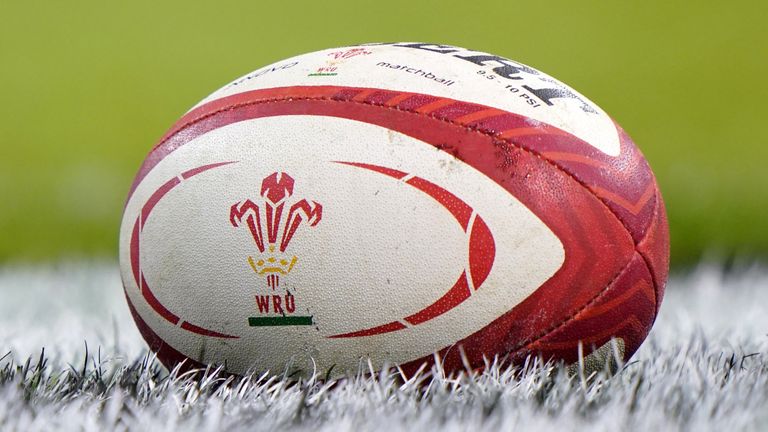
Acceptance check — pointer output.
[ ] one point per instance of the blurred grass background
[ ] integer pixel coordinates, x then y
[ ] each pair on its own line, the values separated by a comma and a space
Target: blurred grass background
88, 87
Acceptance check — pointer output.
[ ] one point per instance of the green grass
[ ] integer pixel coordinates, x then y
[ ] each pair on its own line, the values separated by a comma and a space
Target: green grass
88, 87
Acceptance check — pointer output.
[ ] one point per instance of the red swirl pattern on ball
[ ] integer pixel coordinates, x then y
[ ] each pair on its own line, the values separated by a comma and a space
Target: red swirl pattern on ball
607, 211
482, 253
135, 254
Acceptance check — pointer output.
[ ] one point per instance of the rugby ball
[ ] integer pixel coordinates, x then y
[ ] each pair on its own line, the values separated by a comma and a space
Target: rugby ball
389, 202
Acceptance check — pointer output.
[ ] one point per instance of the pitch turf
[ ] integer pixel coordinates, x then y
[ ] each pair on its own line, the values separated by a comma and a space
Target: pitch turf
702, 368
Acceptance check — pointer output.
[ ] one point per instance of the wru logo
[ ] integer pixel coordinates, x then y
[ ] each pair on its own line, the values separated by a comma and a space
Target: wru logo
272, 225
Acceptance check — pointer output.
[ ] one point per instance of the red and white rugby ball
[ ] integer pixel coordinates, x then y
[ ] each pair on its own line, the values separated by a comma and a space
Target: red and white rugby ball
390, 201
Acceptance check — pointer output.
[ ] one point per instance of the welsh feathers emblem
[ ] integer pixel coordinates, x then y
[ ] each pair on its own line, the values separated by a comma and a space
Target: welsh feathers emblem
273, 223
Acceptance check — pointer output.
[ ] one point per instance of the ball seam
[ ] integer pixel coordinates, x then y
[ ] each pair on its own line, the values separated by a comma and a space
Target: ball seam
590, 302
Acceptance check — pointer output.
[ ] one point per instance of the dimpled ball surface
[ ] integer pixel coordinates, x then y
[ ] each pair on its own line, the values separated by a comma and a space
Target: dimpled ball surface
390, 201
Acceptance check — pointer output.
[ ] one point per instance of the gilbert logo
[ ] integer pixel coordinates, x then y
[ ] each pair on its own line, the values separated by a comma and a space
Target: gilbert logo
272, 224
